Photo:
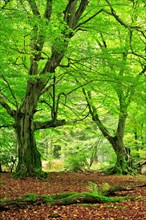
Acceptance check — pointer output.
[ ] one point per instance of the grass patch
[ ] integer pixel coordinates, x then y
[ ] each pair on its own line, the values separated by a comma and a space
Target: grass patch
102, 199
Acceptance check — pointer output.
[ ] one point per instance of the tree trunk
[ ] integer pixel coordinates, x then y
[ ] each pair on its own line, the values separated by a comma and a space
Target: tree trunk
122, 163
29, 158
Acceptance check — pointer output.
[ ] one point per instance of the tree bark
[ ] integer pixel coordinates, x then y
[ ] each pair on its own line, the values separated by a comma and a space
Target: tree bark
123, 164
29, 162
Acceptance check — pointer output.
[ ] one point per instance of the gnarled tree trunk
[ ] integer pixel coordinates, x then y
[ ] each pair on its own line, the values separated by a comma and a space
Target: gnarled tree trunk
123, 162
29, 162
40, 74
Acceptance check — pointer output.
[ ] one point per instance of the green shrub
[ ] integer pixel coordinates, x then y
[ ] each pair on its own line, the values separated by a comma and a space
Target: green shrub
74, 161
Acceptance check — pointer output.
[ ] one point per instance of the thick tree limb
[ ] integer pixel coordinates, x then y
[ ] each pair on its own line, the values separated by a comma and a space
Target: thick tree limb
72, 14
81, 9
48, 124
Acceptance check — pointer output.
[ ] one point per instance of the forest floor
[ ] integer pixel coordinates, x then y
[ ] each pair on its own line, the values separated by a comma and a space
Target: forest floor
67, 182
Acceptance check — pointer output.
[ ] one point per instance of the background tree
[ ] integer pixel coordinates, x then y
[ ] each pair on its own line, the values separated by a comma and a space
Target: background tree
115, 59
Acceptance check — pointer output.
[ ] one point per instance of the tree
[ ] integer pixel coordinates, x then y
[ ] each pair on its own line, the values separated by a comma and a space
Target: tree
127, 71
117, 60
35, 55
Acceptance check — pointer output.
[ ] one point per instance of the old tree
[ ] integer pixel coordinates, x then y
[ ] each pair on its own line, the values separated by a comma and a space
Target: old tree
36, 52
46, 29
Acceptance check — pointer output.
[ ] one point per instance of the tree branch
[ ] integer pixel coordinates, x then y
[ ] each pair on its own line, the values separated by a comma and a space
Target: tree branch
72, 15
113, 13
131, 91
34, 7
11, 91
48, 10
95, 116
90, 18
81, 9
69, 13
48, 124
10, 111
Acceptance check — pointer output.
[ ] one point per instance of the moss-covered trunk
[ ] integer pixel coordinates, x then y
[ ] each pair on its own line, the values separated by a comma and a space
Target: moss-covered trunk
122, 165
29, 159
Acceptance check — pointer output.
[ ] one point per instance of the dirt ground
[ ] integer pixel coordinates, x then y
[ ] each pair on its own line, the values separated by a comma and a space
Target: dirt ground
67, 182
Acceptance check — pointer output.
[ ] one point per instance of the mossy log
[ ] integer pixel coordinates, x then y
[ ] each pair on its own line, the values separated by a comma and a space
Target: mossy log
66, 198
60, 199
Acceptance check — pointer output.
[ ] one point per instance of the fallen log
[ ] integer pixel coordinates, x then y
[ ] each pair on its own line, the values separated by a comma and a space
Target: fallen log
60, 199
67, 198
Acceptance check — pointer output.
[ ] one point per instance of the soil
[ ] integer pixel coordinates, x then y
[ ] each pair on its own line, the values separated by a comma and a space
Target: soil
59, 182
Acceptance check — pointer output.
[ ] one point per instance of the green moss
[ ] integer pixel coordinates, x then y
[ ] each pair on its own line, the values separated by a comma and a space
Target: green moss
102, 199
70, 197
5, 200
54, 197
64, 195
46, 198
28, 198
